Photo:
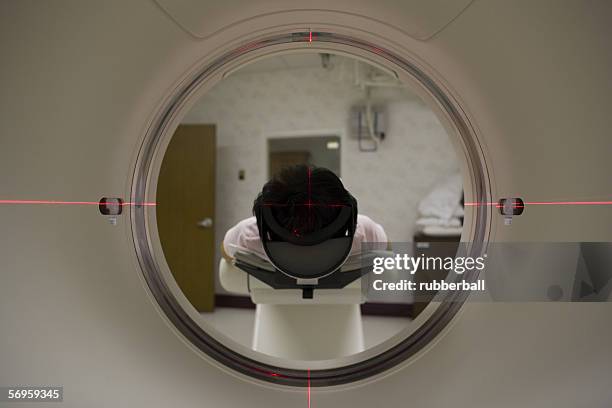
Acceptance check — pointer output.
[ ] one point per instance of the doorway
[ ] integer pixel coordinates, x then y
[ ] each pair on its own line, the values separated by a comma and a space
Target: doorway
319, 151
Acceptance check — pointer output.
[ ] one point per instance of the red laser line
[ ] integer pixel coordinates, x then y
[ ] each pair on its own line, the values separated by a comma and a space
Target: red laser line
309, 186
57, 202
308, 204
310, 36
309, 194
570, 203
309, 388
476, 204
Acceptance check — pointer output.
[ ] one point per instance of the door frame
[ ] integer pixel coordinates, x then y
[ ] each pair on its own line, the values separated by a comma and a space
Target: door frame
267, 136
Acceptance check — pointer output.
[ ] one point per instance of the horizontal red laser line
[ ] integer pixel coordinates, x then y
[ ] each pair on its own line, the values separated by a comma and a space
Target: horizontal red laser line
543, 203
469, 204
54, 202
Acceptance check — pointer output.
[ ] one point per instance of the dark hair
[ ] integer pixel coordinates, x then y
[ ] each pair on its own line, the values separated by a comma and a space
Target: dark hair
303, 198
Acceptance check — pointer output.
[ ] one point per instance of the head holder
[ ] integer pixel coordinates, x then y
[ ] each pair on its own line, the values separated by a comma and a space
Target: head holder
311, 256
306, 261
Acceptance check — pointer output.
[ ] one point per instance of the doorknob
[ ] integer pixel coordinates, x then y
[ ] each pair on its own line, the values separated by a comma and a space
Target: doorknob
205, 223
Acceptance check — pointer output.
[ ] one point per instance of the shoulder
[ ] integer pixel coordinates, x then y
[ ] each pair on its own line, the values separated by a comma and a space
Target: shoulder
370, 230
244, 229
365, 222
245, 235
364, 219
247, 224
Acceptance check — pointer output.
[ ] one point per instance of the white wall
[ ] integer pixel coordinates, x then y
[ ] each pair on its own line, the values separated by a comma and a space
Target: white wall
388, 184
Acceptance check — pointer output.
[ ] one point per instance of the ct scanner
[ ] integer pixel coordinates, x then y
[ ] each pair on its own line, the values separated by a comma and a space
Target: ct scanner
89, 89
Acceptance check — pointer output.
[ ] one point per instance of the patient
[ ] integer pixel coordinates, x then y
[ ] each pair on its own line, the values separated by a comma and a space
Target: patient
286, 194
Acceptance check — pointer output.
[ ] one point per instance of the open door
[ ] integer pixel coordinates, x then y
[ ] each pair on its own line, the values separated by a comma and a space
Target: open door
185, 212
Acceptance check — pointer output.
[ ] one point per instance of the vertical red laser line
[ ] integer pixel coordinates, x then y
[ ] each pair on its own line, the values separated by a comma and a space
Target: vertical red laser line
310, 223
309, 388
310, 36
309, 186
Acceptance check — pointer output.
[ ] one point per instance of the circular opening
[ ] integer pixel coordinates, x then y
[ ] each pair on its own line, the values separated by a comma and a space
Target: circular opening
167, 292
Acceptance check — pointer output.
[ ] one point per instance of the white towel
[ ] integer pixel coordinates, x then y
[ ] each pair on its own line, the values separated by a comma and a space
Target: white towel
441, 231
444, 200
438, 222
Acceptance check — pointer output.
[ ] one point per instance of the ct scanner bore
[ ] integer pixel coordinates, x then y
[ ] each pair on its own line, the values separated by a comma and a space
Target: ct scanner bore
145, 234
80, 82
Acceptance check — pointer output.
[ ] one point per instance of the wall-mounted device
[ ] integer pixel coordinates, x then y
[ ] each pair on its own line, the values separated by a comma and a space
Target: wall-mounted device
368, 126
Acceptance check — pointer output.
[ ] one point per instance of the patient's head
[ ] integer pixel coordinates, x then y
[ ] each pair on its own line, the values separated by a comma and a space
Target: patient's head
304, 199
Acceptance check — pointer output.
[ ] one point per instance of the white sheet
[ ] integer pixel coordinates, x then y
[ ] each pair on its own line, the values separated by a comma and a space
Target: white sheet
438, 222
444, 201
442, 231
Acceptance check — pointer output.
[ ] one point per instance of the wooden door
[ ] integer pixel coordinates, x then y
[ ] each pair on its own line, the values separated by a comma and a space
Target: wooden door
185, 212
